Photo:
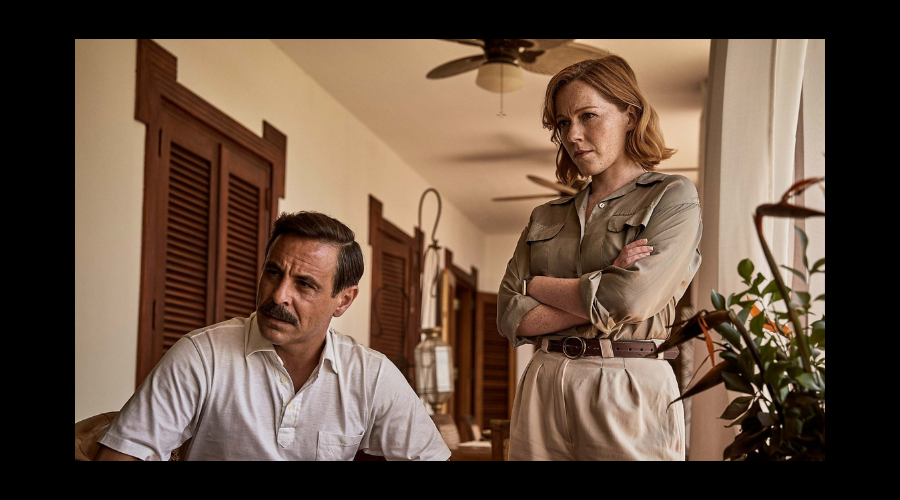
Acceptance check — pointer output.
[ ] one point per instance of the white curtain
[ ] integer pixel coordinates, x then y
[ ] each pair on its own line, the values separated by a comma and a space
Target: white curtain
750, 152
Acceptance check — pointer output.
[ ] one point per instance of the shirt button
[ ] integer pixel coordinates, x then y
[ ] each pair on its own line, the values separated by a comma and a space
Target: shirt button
283, 380
290, 407
602, 205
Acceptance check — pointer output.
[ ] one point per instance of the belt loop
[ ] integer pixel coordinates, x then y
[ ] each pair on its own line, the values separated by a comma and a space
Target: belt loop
545, 344
657, 343
606, 349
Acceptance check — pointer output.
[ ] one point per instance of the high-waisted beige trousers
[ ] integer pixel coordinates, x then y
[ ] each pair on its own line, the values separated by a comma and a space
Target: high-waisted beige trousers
595, 408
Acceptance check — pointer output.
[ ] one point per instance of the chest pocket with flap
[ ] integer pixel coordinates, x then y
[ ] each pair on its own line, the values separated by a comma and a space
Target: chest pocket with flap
541, 242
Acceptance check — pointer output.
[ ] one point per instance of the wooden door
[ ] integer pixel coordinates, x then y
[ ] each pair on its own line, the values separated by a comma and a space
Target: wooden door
495, 365
458, 295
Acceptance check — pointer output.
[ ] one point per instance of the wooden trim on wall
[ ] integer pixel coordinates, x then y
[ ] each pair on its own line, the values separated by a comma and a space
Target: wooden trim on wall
156, 82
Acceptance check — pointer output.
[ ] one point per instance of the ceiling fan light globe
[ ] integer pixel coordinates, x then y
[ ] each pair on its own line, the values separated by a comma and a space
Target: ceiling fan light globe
500, 77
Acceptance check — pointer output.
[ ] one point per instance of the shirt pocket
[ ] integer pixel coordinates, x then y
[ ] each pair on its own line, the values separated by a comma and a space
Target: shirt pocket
621, 230
331, 446
541, 243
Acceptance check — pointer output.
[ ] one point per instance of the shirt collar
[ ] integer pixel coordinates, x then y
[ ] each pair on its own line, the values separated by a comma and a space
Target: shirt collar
257, 343
644, 179
567, 199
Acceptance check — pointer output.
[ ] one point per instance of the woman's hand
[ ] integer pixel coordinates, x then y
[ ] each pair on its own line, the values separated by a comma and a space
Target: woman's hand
632, 253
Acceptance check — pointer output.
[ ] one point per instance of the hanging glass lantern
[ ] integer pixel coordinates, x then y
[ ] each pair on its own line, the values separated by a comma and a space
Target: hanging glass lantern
434, 368
433, 355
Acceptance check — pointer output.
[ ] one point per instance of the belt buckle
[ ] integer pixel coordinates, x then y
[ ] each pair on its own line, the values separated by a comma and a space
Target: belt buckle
565, 344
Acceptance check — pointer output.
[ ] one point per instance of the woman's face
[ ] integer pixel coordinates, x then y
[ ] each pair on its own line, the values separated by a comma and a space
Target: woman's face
592, 129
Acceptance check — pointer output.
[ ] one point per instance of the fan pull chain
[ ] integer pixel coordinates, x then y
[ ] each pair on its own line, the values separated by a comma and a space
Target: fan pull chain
501, 114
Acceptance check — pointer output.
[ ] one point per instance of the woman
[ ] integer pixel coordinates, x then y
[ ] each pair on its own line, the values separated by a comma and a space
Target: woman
595, 278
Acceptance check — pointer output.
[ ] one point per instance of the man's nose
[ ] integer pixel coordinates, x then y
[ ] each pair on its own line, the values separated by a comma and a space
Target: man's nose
281, 293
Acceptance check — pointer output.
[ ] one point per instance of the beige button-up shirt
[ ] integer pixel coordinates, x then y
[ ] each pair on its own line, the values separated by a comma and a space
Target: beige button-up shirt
225, 387
622, 304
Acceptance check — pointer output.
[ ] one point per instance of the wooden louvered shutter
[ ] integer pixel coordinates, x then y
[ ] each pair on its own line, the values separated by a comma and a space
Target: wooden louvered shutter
210, 230
395, 291
190, 201
495, 365
244, 231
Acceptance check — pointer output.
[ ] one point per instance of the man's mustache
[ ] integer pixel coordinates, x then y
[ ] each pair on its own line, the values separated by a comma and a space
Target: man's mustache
279, 312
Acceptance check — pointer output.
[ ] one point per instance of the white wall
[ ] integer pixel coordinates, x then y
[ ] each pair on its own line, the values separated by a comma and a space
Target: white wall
333, 163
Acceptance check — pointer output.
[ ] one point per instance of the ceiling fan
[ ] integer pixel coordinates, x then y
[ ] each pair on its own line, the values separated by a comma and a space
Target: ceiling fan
501, 63
560, 188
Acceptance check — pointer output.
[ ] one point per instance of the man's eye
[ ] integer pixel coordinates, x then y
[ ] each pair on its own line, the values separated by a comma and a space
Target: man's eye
588, 116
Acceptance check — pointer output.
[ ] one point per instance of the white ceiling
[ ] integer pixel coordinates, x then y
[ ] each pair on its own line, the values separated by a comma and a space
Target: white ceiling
449, 129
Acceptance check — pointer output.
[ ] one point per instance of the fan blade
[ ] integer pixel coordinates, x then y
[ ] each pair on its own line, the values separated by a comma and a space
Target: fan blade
525, 197
551, 61
546, 43
562, 188
457, 66
467, 41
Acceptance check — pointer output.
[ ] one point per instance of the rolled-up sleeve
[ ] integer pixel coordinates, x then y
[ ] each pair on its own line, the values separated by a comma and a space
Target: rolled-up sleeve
614, 296
512, 306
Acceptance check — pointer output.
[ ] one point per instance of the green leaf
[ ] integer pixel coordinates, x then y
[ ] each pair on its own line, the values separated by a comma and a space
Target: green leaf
737, 408
718, 301
767, 355
804, 296
745, 269
745, 312
756, 324
821, 297
783, 391
796, 272
819, 263
794, 371
772, 288
729, 301
736, 383
754, 287
759, 279
729, 356
775, 372
804, 241
745, 358
818, 334
807, 380
730, 334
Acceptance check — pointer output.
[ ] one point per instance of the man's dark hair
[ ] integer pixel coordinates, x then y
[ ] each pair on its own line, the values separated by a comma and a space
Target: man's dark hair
320, 227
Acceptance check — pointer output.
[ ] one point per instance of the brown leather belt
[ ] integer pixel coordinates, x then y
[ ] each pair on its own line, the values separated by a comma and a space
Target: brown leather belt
576, 347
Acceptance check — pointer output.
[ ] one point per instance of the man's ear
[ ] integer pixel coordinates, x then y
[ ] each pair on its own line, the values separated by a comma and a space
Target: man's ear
345, 298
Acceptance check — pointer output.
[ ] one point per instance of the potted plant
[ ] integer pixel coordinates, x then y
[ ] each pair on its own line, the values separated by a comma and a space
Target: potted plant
773, 352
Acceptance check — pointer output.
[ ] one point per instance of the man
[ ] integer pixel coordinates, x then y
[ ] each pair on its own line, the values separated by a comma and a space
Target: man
280, 385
